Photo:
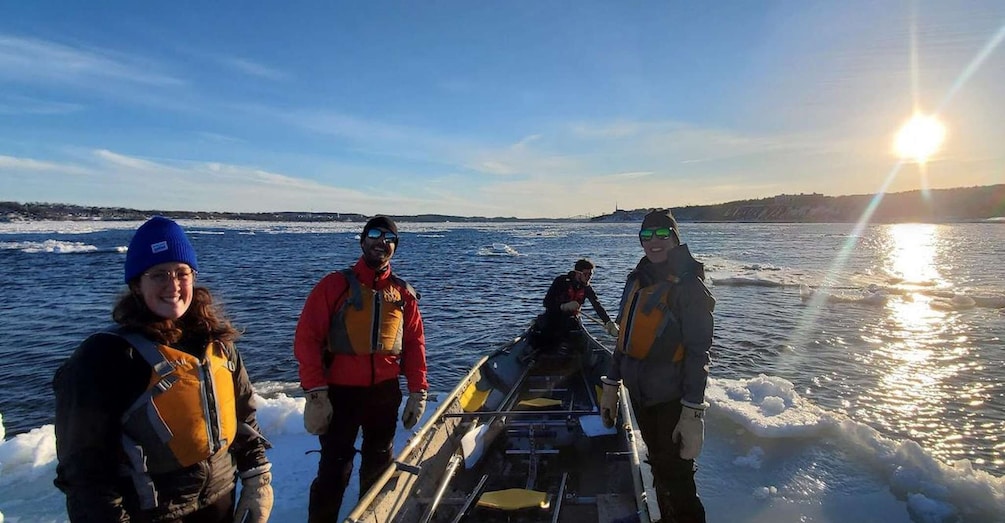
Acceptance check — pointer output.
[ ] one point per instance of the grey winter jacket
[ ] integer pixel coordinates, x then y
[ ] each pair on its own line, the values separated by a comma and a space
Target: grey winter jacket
657, 379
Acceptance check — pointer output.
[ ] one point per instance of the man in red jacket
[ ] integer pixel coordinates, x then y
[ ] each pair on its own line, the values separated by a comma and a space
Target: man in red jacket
349, 366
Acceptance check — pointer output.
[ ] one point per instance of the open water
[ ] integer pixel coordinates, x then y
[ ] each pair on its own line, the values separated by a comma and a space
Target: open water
899, 327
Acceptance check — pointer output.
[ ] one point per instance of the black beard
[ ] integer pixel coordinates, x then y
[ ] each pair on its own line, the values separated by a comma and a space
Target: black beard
377, 262
377, 265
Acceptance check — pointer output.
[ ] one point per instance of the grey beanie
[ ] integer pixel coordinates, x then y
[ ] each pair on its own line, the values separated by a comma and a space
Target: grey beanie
661, 218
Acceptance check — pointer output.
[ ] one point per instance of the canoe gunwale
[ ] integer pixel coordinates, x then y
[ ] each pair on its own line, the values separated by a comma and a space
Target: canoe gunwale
640, 470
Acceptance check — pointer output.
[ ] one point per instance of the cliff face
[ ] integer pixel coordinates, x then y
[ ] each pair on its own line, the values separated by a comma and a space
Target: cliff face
942, 205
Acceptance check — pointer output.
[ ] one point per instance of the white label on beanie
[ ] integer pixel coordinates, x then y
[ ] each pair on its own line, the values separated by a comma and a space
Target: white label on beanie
158, 247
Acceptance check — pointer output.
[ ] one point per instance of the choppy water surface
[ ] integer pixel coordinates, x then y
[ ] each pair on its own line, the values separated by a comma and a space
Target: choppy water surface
900, 328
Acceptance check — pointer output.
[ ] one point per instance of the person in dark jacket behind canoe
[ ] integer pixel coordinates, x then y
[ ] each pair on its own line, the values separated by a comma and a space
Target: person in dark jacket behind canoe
562, 304
662, 355
349, 366
155, 419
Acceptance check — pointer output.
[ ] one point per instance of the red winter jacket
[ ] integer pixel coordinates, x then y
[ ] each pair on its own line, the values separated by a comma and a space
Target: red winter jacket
350, 369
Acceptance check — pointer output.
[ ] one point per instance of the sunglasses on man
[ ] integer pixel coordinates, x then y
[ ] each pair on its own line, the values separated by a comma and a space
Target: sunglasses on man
662, 233
377, 234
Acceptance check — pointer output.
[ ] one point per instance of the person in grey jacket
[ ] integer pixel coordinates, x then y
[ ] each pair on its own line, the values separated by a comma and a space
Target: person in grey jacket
662, 358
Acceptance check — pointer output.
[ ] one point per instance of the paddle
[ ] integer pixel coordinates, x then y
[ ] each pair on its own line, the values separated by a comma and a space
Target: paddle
455, 461
595, 320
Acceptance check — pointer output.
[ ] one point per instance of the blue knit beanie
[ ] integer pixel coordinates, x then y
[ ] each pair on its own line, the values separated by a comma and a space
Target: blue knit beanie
157, 241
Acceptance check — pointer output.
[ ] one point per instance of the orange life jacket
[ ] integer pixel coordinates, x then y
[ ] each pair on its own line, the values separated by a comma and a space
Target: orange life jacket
646, 316
369, 321
187, 414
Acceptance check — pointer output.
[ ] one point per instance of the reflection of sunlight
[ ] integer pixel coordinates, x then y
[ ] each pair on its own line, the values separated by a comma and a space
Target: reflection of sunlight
915, 361
913, 315
913, 254
912, 258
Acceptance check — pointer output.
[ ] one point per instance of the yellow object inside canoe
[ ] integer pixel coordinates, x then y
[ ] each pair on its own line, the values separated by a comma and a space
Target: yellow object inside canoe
473, 399
540, 402
514, 499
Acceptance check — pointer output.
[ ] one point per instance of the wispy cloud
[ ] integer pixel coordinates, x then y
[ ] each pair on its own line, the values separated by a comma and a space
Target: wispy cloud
637, 163
494, 167
222, 186
345, 126
17, 164
526, 142
14, 104
682, 142
634, 174
217, 137
253, 68
606, 130
30, 61
388, 140
594, 150
128, 162
563, 152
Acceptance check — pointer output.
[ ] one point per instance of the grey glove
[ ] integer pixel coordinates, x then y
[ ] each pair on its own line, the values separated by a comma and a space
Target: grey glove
570, 307
612, 328
609, 401
318, 411
690, 430
255, 503
414, 408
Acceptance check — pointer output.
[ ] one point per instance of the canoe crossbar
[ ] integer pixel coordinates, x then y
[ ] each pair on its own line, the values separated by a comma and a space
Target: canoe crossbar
519, 413
454, 501
518, 452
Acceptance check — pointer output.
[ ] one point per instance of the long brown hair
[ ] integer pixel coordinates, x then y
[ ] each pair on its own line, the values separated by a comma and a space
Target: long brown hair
203, 319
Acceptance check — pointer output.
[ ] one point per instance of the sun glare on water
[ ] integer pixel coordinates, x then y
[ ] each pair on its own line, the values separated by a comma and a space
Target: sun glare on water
920, 138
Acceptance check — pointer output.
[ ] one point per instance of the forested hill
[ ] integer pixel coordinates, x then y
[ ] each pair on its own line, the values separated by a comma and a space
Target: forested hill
941, 205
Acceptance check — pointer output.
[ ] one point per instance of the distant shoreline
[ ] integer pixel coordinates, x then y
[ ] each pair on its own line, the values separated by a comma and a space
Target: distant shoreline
410, 219
959, 205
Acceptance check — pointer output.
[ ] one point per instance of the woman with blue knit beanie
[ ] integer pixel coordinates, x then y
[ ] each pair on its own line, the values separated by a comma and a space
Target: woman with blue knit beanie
155, 419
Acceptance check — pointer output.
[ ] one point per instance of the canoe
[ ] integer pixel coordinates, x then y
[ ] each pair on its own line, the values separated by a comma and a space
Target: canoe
520, 439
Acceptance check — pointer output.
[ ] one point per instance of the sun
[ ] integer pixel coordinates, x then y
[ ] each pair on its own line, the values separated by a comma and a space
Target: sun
920, 138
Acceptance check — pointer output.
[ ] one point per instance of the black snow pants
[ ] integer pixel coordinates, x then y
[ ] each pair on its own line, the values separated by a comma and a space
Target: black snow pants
375, 410
676, 491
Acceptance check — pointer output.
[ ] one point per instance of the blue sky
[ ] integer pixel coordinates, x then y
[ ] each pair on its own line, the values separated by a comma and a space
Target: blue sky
478, 108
